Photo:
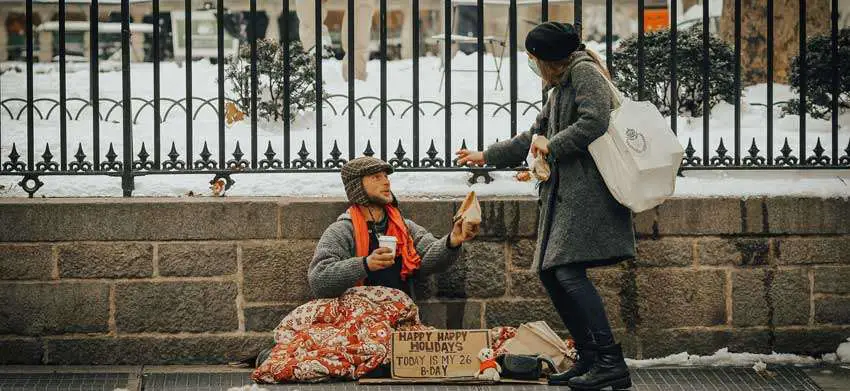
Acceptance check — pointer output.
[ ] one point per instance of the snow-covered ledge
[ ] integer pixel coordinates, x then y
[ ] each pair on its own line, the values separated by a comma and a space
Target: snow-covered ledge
693, 184
199, 279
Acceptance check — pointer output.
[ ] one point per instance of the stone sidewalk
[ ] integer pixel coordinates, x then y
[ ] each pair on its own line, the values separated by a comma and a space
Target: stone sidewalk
215, 378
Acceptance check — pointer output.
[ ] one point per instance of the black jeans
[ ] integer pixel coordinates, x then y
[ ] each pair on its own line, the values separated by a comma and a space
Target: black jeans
579, 304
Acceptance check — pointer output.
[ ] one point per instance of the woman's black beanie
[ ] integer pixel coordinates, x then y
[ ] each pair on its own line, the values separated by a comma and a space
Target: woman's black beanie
552, 41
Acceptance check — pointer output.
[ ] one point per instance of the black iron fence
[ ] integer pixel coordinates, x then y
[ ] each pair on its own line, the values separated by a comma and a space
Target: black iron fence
135, 160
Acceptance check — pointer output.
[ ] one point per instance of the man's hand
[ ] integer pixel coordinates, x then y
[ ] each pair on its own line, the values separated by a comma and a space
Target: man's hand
466, 156
462, 232
380, 259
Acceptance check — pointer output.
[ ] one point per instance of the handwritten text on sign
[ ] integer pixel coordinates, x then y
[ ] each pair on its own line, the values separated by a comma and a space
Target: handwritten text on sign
437, 353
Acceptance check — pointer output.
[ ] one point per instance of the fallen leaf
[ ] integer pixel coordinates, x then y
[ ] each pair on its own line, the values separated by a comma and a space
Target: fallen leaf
232, 114
523, 176
218, 187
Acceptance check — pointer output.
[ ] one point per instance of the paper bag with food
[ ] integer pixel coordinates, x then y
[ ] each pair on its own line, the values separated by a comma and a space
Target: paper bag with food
539, 338
540, 169
469, 211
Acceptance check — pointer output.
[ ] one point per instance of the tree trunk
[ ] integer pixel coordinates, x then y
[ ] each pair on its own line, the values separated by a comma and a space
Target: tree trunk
786, 38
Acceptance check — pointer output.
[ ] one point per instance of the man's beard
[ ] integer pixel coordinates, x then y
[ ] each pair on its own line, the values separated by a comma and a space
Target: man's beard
379, 200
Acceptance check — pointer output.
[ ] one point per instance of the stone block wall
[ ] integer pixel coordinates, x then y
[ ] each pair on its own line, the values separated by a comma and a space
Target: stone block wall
170, 281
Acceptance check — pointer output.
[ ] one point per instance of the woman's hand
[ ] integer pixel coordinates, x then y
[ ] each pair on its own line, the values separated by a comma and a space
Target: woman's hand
539, 144
466, 156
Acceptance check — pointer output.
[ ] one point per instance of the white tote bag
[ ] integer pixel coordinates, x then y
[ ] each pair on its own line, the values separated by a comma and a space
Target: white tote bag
639, 155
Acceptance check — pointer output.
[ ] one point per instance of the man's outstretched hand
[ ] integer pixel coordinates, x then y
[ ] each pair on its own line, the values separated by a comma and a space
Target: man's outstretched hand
461, 232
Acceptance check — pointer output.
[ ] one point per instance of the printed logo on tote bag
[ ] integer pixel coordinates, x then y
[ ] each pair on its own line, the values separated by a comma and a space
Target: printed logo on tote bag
635, 140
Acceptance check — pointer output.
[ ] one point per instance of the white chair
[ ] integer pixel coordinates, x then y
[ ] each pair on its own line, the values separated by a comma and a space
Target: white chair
497, 48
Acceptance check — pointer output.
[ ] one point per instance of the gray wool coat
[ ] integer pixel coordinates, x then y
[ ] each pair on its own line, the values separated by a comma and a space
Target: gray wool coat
580, 221
335, 268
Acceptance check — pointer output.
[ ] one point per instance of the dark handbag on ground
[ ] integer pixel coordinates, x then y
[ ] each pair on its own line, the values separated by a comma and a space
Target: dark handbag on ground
524, 366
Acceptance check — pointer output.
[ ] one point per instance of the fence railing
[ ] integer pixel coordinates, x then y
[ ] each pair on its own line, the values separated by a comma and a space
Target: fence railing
131, 160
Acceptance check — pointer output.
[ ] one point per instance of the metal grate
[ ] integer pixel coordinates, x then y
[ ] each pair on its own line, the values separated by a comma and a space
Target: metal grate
194, 381
512, 387
330, 152
726, 379
647, 379
63, 381
225, 381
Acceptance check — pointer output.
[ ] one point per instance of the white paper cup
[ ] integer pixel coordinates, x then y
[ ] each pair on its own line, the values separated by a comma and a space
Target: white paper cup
389, 242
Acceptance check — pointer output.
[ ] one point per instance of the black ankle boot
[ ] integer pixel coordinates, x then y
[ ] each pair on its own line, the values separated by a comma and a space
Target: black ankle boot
610, 370
586, 358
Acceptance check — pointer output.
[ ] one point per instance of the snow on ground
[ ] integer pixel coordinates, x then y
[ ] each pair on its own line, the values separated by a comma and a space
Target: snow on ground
724, 358
399, 129
843, 352
759, 362
248, 387
798, 183
820, 183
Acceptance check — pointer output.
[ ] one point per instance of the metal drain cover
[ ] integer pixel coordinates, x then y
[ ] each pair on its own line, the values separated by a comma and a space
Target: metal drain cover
64, 381
644, 379
715, 379
225, 381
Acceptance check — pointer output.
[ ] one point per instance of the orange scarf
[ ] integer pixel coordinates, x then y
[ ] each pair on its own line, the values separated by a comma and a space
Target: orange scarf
410, 259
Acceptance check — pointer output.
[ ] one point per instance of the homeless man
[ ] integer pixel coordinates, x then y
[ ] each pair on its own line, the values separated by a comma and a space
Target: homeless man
348, 254
310, 344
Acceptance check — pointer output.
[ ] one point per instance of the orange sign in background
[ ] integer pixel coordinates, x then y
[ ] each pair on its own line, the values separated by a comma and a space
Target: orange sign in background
656, 19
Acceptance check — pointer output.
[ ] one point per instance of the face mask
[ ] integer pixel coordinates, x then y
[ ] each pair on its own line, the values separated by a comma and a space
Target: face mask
533, 65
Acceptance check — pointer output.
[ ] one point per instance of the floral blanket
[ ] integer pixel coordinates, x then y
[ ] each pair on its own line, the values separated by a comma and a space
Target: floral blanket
345, 337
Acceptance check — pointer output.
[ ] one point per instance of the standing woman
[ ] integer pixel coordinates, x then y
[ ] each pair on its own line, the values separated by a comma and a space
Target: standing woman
581, 224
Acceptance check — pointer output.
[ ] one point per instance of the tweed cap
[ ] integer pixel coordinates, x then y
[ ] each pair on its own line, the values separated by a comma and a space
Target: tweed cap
552, 41
353, 173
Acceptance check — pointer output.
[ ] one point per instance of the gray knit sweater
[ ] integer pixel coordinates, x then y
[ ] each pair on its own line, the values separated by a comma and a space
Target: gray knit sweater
335, 267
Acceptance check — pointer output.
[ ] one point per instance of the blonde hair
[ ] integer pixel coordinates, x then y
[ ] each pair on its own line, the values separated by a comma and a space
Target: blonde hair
598, 60
553, 71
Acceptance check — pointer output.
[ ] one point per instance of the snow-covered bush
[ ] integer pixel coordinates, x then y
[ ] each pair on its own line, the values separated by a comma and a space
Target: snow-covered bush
819, 76
657, 62
270, 67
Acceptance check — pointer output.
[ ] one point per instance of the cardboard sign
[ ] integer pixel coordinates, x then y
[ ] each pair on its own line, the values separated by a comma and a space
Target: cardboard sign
437, 353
